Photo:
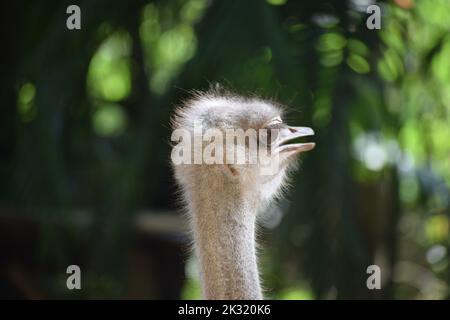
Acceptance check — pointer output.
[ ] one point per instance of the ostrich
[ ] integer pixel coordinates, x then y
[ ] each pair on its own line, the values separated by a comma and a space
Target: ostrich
223, 201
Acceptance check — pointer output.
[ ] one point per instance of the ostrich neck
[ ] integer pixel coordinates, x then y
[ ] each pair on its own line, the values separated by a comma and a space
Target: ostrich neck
224, 236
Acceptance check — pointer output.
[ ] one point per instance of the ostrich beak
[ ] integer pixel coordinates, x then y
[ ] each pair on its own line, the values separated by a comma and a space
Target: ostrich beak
290, 133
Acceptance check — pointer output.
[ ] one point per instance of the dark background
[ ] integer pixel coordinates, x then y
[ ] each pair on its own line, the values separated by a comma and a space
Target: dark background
84, 152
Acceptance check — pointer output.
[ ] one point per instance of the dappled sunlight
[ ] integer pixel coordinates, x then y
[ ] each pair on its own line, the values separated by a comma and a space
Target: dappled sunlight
109, 76
25, 102
168, 44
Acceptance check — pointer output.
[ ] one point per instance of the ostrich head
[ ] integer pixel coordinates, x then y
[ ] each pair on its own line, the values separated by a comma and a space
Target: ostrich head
226, 144
268, 153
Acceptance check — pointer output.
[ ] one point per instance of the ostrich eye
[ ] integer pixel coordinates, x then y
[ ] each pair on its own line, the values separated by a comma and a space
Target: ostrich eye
274, 122
272, 129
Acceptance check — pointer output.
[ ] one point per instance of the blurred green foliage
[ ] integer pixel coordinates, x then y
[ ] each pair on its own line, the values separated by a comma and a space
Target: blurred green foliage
92, 109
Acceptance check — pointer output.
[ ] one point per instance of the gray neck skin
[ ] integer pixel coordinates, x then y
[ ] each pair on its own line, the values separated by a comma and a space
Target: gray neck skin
224, 237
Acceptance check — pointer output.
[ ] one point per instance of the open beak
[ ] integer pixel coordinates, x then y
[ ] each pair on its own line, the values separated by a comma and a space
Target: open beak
289, 133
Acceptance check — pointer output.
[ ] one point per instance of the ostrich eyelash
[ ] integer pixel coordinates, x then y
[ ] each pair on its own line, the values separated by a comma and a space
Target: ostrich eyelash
274, 121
